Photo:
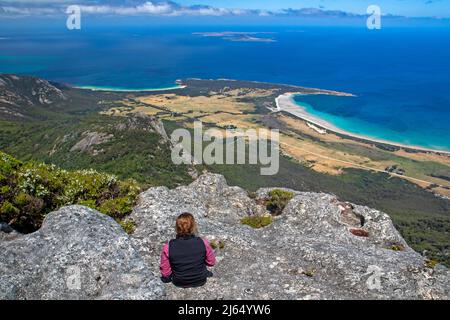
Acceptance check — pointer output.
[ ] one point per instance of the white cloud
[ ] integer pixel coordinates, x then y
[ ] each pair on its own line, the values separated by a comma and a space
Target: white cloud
14, 8
161, 8
145, 8
9, 10
167, 8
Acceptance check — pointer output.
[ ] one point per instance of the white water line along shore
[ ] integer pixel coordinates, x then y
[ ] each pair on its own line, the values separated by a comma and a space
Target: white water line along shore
112, 89
285, 103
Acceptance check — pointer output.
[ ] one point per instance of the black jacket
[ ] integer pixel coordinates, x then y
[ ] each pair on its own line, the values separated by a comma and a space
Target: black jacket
187, 259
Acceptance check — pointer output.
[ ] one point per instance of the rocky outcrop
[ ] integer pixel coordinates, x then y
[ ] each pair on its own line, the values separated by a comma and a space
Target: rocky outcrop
318, 248
91, 139
144, 122
95, 142
18, 93
308, 252
25, 90
77, 254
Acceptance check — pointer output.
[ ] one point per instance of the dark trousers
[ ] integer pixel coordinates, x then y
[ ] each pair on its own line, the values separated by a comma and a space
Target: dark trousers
169, 279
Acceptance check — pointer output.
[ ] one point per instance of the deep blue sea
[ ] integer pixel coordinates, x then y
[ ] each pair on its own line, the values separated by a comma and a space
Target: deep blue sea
401, 76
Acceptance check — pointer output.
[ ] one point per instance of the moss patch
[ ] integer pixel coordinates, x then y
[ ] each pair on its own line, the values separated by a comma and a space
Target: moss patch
217, 244
310, 272
397, 247
257, 222
128, 225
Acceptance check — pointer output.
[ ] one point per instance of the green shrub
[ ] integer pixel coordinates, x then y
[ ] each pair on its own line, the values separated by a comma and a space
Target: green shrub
4, 190
88, 203
116, 208
32, 190
8, 209
277, 201
87, 185
257, 222
8, 164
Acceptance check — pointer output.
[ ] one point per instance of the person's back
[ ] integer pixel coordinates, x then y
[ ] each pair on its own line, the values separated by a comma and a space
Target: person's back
184, 260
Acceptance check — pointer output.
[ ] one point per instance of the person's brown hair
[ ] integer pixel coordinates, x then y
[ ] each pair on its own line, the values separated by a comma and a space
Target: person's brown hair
185, 225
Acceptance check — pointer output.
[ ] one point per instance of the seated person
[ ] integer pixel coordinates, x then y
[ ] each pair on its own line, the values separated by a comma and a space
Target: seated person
184, 260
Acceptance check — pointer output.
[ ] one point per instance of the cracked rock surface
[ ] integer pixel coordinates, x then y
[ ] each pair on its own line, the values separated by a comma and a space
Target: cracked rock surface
318, 248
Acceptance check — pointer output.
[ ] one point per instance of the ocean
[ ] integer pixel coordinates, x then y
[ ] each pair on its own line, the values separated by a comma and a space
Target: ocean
400, 76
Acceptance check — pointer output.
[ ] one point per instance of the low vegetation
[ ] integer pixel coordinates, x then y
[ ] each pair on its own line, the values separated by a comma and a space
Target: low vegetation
310, 272
133, 151
431, 263
30, 190
257, 222
397, 247
277, 201
220, 244
128, 225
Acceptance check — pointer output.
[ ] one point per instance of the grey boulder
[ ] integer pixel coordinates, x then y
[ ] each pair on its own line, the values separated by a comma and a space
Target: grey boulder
310, 251
78, 253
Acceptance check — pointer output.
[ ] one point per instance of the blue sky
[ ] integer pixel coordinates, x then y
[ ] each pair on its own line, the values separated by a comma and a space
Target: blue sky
408, 8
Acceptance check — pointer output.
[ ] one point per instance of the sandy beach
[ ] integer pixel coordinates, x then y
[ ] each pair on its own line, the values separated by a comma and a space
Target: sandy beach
286, 103
93, 88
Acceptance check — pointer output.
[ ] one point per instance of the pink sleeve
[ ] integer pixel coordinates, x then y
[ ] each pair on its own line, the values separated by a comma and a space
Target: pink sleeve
164, 265
210, 257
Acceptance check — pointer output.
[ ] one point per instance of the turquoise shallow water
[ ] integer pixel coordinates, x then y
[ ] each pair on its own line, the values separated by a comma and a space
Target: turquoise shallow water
401, 76
392, 128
